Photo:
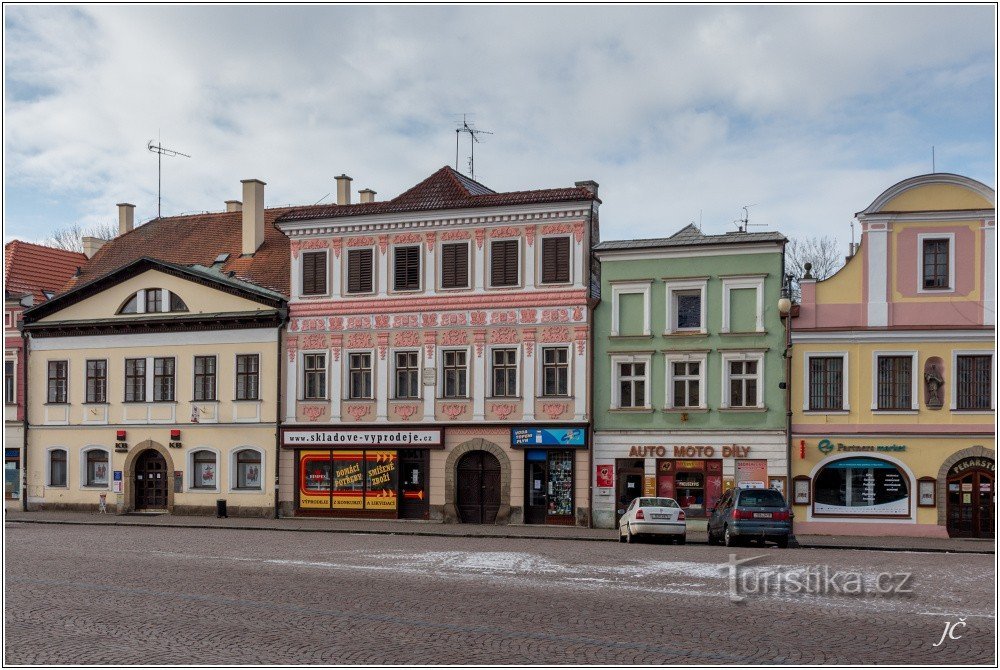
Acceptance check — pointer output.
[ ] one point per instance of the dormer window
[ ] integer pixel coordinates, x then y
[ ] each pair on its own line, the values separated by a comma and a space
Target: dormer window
151, 301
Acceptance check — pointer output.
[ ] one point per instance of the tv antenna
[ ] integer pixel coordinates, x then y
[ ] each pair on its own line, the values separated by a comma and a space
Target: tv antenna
473, 141
743, 223
160, 152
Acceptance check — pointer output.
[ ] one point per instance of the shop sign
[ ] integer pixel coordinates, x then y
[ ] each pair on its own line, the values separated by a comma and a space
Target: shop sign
12, 453
827, 446
751, 474
561, 437
649, 486
605, 476
430, 437
689, 451
969, 463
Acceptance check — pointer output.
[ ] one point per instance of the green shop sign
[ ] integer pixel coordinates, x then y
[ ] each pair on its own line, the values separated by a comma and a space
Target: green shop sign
826, 446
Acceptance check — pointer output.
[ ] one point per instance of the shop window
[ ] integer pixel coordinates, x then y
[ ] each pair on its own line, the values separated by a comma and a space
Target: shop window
360, 373
406, 268
826, 383
12, 474
96, 467
248, 377
135, 380
348, 480
58, 371
314, 376
455, 374
974, 383
407, 374
57, 467
204, 471
204, 377
861, 486
314, 273
97, 381
504, 373
455, 265
163, 380
555, 371
249, 470
894, 386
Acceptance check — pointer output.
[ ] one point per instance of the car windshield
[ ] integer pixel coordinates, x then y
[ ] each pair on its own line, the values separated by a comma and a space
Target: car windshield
658, 502
761, 498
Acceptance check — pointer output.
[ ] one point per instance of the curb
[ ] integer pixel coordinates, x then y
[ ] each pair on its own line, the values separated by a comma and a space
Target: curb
431, 533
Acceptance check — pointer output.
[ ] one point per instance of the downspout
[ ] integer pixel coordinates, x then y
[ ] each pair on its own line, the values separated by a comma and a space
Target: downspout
278, 414
787, 288
24, 419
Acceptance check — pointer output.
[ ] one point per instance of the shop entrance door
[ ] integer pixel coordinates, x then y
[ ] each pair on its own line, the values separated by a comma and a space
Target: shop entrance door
970, 503
629, 484
413, 494
150, 481
536, 474
478, 487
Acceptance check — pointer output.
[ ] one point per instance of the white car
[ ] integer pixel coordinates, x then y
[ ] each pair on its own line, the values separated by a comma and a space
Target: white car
661, 517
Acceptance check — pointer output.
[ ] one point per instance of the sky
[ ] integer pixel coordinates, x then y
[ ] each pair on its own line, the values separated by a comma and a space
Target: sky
681, 113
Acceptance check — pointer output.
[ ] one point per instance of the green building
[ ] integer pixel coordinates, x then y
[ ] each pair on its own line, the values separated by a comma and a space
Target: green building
688, 357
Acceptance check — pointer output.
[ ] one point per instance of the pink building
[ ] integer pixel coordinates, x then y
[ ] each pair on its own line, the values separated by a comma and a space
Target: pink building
437, 354
32, 274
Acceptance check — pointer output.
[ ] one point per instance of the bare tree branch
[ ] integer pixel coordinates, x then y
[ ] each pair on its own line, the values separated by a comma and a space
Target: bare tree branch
820, 252
71, 237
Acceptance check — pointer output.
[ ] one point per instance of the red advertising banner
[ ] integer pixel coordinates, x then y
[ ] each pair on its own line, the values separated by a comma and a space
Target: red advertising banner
605, 476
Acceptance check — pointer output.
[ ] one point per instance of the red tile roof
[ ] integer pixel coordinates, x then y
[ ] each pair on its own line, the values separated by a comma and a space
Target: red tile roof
198, 239
34, 268
445, 189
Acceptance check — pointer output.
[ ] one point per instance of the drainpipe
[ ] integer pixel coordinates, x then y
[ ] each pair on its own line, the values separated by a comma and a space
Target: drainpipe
24, 401
277, 415
786, 294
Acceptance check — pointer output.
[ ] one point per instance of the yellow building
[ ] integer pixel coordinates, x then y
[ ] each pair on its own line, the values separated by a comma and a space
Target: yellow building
893, 392
153, 385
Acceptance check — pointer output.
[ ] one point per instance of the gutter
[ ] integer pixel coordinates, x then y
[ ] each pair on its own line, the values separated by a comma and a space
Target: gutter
278, 413
24, 400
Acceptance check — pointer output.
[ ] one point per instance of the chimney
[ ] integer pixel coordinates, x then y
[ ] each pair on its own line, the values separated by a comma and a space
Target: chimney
91, 245
343, 190
366, 195
590, 185
126, 217
253, 215
234, 206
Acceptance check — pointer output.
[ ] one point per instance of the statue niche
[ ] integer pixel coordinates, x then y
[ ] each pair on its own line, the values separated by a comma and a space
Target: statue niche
934, 383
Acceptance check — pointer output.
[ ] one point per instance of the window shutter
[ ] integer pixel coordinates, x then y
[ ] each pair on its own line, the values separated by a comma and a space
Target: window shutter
359, 271
313, 273
454, 265
504, 263
555, 260
407, 268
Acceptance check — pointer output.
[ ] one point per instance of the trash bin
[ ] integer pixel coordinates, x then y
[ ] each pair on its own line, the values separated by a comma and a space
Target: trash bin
220, 509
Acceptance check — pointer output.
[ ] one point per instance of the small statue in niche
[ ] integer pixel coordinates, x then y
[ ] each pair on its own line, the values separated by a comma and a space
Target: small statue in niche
934, 383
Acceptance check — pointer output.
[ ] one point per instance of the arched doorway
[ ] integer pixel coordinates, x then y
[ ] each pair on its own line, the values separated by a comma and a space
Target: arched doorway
478, 487
150, 481
970, 495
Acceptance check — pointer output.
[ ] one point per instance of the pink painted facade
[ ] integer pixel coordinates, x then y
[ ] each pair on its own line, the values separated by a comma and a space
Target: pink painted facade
371, 353
894, 372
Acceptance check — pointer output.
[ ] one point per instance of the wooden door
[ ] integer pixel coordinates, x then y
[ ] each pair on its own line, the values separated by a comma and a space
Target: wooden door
478, 487
150, 481
970, 504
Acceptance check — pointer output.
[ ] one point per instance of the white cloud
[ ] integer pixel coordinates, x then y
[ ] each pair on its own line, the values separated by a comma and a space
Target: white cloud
809, 112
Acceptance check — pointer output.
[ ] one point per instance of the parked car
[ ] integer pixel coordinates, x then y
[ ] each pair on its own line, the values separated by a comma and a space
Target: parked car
750, 514
653, 517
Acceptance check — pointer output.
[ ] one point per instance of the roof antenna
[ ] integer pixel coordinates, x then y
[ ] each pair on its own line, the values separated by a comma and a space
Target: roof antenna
160, 152
744, 222
473, 141
933, 163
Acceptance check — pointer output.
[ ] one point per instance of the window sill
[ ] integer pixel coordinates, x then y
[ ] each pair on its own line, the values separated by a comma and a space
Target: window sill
256, 491
65, 404
506, 398
405, 291
685, 410
750, 333
58, 488
94, 487
213, 401
627, 338
821, 412
96, 404
363, 294
413, 399
235, 400
896, 411
312, 296
312, 400
547, 284
631, 410
193, 489
686, 333
742, 410
504, 288
459, 399
973, 412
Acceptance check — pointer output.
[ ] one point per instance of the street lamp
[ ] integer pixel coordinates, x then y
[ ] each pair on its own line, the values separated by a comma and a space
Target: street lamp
785, 310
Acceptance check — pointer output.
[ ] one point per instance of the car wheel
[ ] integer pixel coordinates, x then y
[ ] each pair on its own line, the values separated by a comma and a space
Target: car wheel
621, 535
728, 538
629, 537
711, 537
782, 542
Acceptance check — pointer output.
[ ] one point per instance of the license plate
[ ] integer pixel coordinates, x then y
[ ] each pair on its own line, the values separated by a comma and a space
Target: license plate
762, 515
660, 516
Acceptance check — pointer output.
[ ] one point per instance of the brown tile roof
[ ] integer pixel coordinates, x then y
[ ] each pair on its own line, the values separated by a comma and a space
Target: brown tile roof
198, 239
33, 268
445, 189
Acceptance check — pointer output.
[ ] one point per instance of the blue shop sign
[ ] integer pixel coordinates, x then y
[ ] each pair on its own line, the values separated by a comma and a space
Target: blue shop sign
548, 437
12, 453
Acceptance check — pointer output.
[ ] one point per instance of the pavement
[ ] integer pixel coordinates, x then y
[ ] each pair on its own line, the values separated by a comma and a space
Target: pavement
131, 594
426, 528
